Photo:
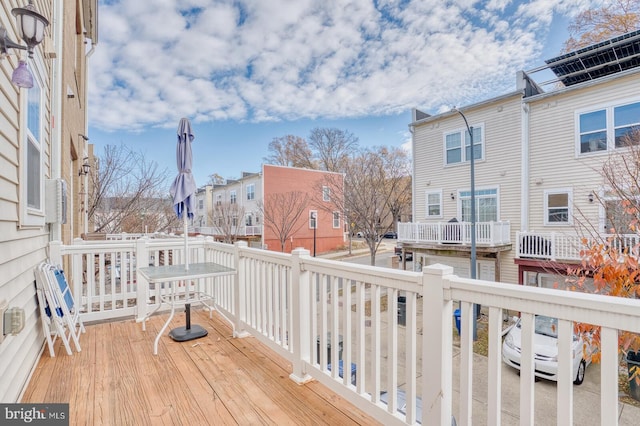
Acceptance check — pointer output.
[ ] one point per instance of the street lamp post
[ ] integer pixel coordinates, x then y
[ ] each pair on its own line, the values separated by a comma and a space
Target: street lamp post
314, 217
348, 229
473, 212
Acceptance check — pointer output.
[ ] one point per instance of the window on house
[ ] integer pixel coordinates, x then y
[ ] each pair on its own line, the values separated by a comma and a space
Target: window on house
232, 197
32, 208
617, 218
626, 120
336, 219
201, 204
218, 199
326, 193
434, 204
313, 219
556, 206
251, 191
249, 220
608, 128
486, 205
454, 153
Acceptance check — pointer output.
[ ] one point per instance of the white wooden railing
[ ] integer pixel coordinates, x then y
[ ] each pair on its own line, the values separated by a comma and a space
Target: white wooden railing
564, 246
487, 233
299, 305
244, 230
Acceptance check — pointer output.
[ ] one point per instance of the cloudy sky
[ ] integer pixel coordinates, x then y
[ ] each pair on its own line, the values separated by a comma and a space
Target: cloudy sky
247, 71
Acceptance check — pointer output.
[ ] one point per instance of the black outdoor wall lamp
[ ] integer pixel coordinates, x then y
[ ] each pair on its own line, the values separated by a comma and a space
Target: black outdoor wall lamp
84, 170
30, 26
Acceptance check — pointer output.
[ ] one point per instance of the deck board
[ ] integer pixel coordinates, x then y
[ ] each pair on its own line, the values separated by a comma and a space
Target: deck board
217, 379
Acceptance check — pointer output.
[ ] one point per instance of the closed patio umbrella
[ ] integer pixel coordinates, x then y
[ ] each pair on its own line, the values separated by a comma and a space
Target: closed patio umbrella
184, 188
183, 192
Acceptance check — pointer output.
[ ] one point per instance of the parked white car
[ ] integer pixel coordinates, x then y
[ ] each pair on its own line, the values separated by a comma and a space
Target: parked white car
545, 344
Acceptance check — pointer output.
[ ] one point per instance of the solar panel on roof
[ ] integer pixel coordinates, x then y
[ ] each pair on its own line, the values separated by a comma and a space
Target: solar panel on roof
598, 60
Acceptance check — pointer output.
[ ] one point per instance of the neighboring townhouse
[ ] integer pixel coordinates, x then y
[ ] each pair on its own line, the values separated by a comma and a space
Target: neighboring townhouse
241, 201
537, 167
43, 139
320, 228
234, 201
204, 206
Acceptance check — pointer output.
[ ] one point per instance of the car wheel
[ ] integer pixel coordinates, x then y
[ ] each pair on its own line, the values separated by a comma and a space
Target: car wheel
580, 376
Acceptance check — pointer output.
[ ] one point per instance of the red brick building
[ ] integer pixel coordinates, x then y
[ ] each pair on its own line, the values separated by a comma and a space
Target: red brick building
324, 200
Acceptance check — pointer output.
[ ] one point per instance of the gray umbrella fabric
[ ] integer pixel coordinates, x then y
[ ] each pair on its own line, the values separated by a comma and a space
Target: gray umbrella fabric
184, 188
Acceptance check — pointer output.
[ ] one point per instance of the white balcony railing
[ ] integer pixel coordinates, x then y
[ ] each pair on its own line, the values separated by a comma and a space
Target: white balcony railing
561, 246
297, 304
487, 233
243, 231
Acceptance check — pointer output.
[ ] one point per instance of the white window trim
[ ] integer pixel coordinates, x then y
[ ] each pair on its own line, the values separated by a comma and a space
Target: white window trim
326, 193
333, 220
608, 107
251, 186
545, 202
426, 204
463, 130
31, 217
478, 188
233, 197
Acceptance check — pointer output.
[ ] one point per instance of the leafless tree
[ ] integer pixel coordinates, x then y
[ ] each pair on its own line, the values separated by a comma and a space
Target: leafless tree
290, 151
227, 219
122, 184
332, 148
281, 213
374, 184
216, 179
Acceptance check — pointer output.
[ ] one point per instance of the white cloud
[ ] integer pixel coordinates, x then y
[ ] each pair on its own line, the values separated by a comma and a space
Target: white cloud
287, 59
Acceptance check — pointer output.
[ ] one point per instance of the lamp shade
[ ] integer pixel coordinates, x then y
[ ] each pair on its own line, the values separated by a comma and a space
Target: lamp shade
21, 76
31, 25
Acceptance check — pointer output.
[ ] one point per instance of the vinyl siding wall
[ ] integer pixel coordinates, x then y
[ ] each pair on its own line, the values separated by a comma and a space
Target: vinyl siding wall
500, 167
21, 249
554, 159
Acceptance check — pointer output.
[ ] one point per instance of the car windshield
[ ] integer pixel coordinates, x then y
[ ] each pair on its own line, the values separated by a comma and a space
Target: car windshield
546, 326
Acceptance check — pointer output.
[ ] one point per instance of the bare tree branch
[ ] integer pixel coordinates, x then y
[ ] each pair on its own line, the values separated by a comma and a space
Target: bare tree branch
122, 185
281, 213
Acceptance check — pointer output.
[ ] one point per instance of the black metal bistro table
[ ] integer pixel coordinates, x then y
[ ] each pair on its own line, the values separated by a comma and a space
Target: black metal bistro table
174, 274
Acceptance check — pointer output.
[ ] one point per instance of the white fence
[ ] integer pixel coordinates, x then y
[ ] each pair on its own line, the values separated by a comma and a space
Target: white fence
487, 233
562, 246
314, 311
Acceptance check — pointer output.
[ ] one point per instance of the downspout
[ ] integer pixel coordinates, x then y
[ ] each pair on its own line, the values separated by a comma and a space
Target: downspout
55, 230
413, 168
522, 82
524, 178
86, 128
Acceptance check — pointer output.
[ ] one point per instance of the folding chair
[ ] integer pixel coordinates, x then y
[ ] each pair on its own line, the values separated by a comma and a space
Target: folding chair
60, 316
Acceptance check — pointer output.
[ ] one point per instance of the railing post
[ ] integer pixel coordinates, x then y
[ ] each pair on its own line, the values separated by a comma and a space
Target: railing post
142, 287
437, 342
77, 275
300, 328
55, 252
554, 246
239, 291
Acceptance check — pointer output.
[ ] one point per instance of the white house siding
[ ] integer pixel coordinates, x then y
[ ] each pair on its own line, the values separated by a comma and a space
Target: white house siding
500, 168
21, 249
554, 162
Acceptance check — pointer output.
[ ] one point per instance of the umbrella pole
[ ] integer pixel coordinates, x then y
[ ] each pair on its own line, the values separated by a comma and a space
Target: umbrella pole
186, 241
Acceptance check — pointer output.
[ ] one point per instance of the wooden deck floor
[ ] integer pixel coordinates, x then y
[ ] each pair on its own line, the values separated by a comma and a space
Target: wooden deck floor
116, 380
